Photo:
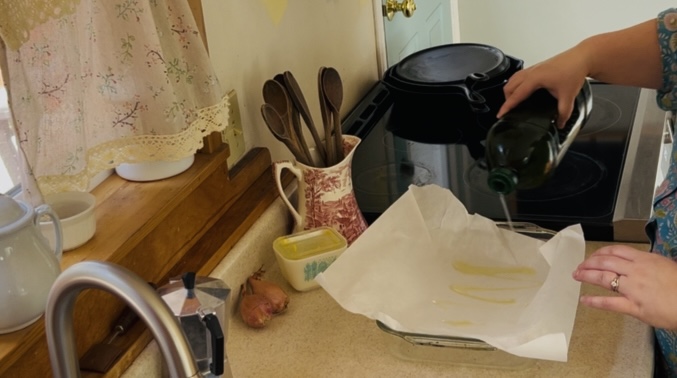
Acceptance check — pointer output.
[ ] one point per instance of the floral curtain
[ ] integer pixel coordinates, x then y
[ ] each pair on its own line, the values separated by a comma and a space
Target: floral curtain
96, 83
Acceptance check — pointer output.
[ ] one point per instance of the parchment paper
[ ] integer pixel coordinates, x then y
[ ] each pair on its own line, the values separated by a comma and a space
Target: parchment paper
427, 266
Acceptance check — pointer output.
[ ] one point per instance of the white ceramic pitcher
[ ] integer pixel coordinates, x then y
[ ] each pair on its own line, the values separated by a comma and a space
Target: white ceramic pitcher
28, 266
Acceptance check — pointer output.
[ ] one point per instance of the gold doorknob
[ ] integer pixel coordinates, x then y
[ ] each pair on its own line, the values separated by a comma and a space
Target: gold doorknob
407, 7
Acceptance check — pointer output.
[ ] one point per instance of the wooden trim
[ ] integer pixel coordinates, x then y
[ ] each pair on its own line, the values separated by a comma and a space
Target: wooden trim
379, 31
213, 141
196, 8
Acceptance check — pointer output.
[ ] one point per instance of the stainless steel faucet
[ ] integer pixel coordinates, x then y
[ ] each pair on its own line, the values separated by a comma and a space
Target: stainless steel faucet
138, 295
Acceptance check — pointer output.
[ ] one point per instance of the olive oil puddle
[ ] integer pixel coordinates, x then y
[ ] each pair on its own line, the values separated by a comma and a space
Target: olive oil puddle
520, 273
523, 274
474, 292
459, 323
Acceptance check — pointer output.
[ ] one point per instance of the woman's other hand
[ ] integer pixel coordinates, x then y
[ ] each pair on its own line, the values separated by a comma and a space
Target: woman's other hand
646, 284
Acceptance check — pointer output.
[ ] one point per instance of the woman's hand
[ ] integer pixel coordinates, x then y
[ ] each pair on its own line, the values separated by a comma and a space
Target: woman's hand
647, 284
562, 75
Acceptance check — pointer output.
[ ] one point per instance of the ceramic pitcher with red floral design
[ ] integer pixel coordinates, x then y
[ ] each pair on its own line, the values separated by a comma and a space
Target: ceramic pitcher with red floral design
326, 196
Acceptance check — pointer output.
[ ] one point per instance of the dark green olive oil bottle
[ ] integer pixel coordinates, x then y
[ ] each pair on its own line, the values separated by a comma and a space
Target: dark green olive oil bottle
524, 147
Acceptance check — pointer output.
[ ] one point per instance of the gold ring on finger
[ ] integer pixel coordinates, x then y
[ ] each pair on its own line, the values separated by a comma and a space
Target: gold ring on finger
615, 283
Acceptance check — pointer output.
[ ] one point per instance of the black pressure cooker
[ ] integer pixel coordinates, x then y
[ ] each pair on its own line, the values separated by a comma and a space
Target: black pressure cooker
448, 90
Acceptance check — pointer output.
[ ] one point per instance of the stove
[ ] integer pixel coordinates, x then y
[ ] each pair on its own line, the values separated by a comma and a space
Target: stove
605, 181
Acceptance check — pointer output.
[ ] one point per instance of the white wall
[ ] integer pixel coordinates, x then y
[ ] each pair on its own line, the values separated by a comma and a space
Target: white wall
534, 30
252, 40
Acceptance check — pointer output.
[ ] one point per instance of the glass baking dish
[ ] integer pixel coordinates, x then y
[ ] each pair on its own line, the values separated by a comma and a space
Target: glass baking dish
460, 350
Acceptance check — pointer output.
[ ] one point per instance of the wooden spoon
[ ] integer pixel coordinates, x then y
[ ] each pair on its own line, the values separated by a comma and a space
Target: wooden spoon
333, 93
326, 118
276, 95
277, 126
280, 79
301, 105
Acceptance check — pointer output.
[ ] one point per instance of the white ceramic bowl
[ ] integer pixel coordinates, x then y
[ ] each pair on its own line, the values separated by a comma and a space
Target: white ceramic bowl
76, 215
154, 170
305, 254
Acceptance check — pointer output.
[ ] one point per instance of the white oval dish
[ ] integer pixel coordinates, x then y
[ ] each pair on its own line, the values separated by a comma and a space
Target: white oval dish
153, 170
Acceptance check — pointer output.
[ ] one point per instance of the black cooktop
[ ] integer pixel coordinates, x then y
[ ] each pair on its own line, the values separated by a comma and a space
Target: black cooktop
582, 190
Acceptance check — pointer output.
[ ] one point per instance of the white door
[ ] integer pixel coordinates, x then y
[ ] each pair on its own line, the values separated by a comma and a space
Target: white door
430, 25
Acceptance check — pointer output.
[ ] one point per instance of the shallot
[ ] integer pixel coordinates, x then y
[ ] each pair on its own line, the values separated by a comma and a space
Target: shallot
255, 309
275, 294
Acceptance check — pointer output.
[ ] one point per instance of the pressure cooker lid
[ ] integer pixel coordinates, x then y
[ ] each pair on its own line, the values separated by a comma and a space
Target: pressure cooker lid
452, 63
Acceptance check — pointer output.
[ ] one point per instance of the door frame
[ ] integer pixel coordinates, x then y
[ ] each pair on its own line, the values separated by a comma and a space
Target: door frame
379, 32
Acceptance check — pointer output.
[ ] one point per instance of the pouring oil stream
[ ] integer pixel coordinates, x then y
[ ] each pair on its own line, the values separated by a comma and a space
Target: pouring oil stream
504, 203
508, 219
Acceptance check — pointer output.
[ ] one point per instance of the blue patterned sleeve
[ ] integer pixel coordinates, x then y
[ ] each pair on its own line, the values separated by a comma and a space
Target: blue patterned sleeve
667, 40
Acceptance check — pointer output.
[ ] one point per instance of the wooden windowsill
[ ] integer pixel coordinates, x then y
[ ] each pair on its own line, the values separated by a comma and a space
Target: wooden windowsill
158, 230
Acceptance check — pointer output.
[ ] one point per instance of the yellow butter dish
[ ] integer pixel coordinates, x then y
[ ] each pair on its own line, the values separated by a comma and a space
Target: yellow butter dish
305, 254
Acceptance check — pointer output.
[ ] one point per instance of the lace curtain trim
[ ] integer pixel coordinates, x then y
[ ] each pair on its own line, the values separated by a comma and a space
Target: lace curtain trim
19, 17
143, 148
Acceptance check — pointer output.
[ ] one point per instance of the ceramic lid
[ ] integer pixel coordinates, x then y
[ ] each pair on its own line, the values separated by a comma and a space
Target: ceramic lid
10, 211
451, 64
309, 243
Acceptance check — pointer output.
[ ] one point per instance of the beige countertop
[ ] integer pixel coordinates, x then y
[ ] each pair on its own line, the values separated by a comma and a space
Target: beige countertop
316, 337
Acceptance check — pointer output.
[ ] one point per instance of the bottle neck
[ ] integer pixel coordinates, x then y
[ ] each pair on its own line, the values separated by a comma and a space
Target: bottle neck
502, 180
